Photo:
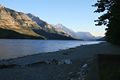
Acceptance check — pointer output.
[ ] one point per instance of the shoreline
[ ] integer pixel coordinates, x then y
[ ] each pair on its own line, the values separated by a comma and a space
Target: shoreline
19, 48
59, 65
78, 52
46, 52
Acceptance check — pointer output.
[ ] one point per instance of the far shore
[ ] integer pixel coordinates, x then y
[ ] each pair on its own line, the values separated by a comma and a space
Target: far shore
55, 65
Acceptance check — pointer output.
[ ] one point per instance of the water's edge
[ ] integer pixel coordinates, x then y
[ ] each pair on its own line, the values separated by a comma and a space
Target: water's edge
19, 48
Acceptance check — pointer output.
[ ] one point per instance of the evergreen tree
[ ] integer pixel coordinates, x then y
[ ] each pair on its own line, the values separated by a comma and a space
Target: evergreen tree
110, 18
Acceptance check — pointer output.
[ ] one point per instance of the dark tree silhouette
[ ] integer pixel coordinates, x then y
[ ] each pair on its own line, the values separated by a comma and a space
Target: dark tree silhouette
110, 18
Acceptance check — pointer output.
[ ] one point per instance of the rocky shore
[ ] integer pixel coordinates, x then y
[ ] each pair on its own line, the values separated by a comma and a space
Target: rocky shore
70, 64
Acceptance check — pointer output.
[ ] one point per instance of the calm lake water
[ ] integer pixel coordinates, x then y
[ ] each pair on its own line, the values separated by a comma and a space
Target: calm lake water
10, 48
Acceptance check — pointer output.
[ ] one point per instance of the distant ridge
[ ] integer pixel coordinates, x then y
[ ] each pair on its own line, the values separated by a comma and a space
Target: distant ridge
86, 36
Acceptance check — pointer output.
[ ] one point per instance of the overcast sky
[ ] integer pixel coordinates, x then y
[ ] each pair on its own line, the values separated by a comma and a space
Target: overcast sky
77, 15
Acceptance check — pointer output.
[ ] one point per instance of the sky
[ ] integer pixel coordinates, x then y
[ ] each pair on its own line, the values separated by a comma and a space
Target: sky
77, 15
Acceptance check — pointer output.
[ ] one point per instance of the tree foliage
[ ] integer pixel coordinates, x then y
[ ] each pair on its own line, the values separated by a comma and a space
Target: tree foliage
110, 18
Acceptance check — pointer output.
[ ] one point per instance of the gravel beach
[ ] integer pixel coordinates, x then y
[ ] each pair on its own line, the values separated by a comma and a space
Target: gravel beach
59, 65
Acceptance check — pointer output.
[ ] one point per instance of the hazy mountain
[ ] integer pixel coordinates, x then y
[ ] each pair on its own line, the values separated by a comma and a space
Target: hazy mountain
66, 30
85, 36
76, 35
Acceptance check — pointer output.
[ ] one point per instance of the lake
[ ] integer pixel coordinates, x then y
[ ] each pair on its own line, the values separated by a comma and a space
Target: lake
12, 48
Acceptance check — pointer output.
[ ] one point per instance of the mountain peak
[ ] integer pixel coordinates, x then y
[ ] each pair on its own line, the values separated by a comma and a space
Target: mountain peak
59, 24
1, 6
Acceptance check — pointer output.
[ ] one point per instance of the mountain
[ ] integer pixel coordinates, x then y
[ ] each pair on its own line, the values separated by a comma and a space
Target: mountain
76, 35
85, 36
17, 23
14, 24
66, 30
48, 30
40, 22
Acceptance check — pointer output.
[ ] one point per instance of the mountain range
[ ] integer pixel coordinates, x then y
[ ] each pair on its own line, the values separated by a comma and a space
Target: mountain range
18, 25
49, 30
61, 29
86, 36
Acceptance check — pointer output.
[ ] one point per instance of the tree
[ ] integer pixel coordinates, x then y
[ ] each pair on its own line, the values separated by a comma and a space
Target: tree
110, 18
